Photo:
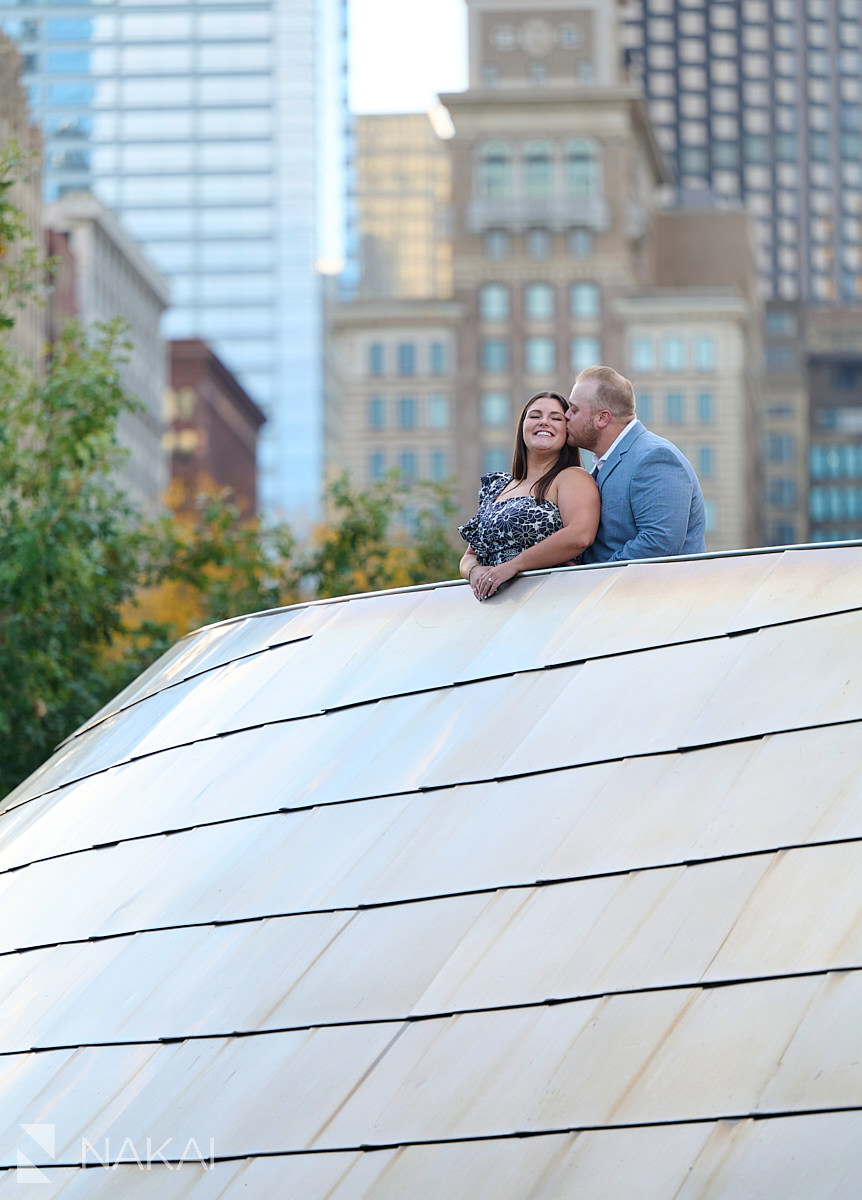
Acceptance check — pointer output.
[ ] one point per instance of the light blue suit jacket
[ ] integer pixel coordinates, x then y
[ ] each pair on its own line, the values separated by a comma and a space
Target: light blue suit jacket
652, 504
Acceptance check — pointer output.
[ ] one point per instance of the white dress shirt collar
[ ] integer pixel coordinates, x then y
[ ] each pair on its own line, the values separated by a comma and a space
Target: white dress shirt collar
598, 463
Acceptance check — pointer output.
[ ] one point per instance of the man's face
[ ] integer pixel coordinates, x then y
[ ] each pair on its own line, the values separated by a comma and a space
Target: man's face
580, 416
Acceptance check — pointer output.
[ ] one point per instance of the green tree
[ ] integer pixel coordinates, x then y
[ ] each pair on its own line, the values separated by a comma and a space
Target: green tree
69, 551
19, 257
89, 594
394, 535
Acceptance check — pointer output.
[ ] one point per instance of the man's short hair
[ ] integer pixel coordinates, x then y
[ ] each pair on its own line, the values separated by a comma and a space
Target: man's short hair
613, 391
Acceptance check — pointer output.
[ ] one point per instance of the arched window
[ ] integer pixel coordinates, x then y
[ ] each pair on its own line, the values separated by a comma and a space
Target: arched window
538, 168
583, 175
495, 170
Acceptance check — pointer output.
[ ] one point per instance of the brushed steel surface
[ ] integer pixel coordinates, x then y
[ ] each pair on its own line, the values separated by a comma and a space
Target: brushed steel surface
673, 746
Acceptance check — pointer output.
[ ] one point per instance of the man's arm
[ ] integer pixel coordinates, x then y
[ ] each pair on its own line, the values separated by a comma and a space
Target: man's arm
660, 493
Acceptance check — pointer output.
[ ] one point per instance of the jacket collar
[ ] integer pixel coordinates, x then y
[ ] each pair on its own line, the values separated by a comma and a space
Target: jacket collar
633, 431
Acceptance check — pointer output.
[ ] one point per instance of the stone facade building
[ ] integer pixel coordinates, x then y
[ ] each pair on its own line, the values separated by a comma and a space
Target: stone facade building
394, 407
107, 275
560, 260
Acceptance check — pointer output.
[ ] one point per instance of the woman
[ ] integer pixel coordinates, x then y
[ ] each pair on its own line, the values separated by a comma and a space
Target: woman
543, 514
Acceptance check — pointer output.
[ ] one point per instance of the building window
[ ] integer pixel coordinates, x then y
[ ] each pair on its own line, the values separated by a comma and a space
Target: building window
538, 73
538, 169
674, 408
407, 412
376, 412
780, 448
494, 408
493, 302
439, 465
585, 352
539, 301
537, 243
437, 358
781, 323
673, 354
778, 358
581, 243
496, 244
781, 493
375, 359
582, 168
704, 353
705, 408
540, 355
847, 376
710, 516
406, 359
407, 464
494, 354
377, 466
438, 411
644, 406
643, 353
584, 300
494, 170
495, 458
706, 462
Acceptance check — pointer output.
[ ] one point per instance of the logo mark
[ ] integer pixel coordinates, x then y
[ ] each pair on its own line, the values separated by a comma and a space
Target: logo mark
26, 1170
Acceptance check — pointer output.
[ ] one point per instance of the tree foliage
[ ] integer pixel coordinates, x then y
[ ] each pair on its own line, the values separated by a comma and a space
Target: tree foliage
90, 594
393, 535
69, 552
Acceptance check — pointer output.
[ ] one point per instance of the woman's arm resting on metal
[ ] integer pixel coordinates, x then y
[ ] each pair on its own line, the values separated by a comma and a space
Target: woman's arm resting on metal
468, 562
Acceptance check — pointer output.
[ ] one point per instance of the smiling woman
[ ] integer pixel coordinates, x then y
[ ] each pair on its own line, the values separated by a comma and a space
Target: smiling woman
544, 513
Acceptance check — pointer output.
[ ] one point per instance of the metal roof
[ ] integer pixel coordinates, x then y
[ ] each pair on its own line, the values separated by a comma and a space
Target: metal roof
401, 895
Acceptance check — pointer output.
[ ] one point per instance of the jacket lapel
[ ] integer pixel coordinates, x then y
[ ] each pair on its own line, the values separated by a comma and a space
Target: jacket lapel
617, 456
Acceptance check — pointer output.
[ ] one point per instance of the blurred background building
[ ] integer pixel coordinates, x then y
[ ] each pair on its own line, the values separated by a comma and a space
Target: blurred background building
403, 190
217, 134
624, 182
559, 260
213, 427
16, 128
762, 101
101, 274
394, 402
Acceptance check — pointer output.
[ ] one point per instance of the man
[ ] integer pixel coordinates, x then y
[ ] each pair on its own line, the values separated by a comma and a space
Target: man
652, 504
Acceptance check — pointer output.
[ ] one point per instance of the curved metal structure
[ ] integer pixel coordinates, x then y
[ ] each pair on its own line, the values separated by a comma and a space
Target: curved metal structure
406, 896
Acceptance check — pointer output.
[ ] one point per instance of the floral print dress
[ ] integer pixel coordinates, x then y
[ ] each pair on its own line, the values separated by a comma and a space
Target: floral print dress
500, 531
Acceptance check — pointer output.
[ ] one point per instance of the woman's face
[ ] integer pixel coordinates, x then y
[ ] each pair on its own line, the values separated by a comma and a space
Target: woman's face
544, 425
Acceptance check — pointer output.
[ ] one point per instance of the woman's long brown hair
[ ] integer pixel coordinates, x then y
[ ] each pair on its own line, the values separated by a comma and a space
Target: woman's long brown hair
570, 456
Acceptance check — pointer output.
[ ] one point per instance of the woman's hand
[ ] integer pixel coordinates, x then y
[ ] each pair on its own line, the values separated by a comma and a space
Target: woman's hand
486, 580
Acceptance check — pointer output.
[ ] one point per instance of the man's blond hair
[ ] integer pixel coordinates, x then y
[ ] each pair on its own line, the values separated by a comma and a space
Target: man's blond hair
613, 391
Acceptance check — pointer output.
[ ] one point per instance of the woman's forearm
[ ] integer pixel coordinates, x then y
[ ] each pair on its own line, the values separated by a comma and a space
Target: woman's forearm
561, 547
468, 562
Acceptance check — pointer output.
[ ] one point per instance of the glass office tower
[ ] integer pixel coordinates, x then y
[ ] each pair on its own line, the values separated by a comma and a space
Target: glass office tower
761, 100
208, 126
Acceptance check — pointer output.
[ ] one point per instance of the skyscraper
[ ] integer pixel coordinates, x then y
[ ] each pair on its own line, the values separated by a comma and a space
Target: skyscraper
761, 100
210, 128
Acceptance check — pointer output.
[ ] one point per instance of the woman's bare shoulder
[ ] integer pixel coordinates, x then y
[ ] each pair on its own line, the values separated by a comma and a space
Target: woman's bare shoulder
575, 477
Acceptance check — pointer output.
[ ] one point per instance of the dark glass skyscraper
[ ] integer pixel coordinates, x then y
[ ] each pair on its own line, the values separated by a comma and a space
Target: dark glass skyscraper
761, 100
